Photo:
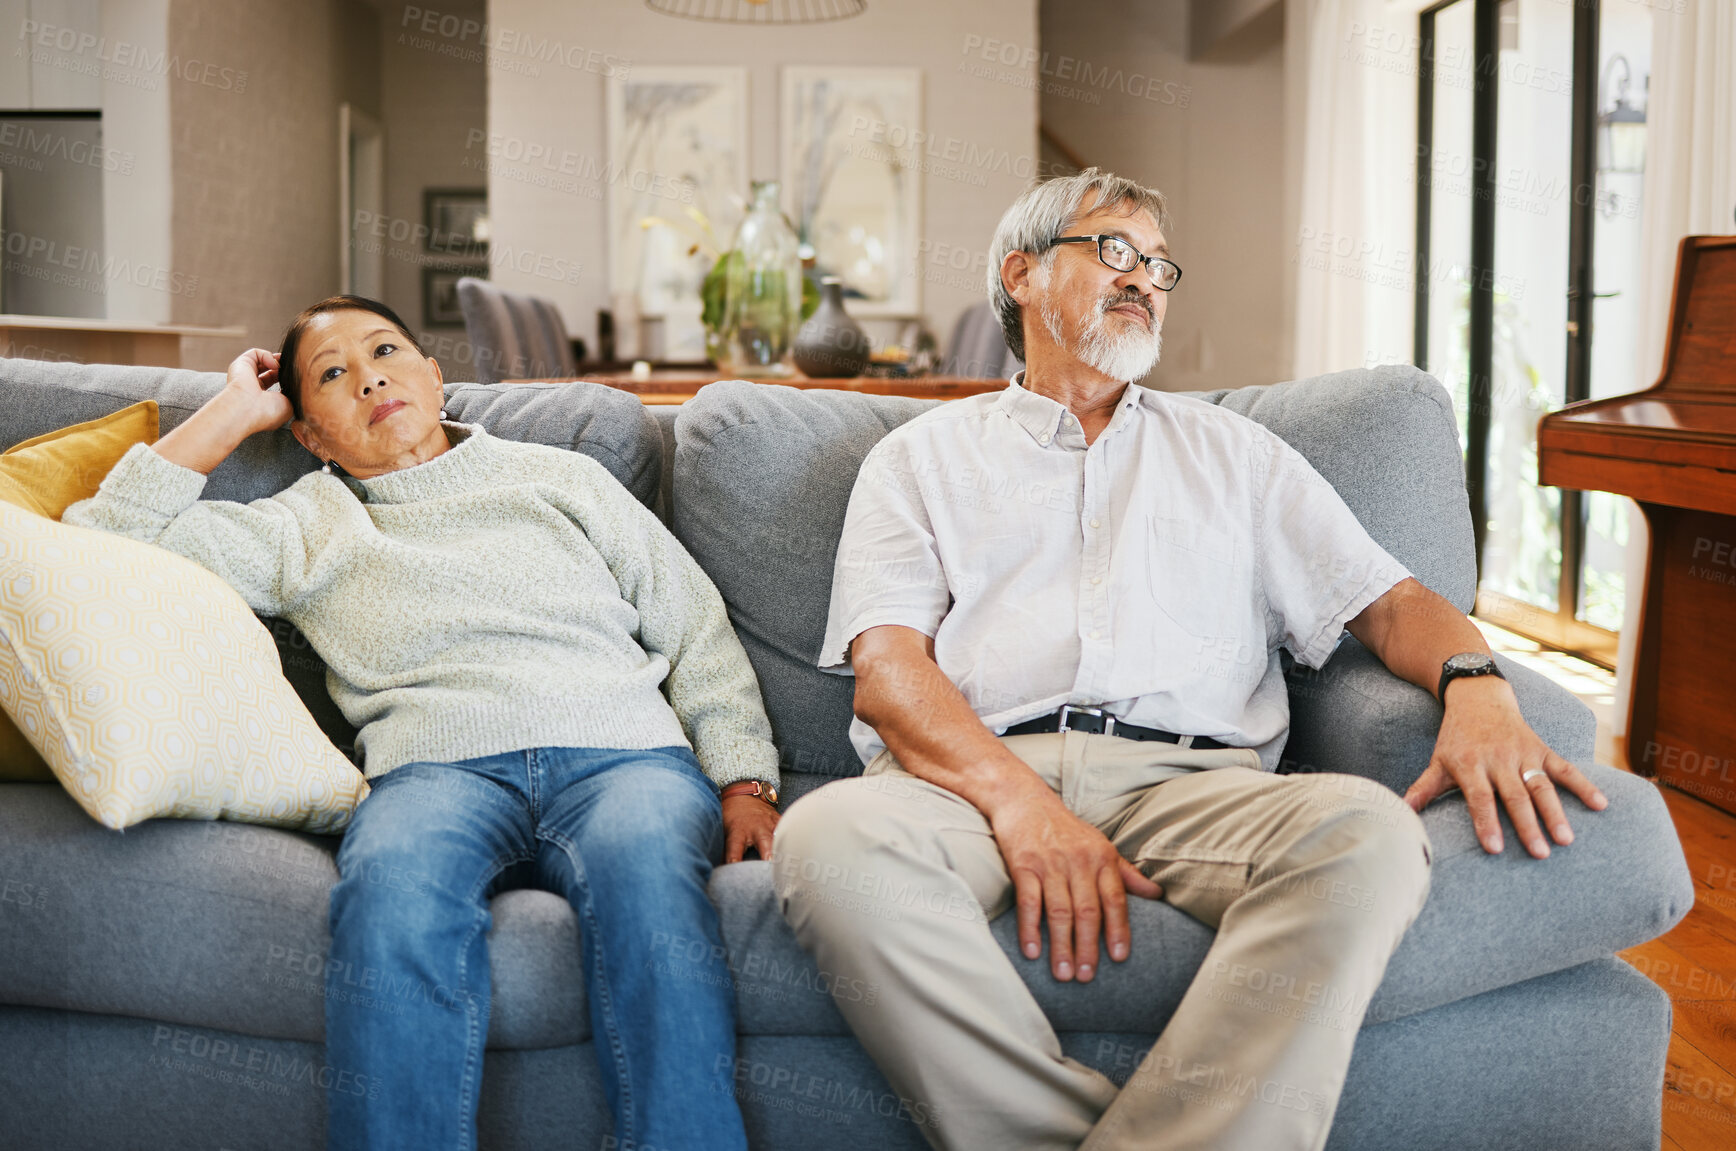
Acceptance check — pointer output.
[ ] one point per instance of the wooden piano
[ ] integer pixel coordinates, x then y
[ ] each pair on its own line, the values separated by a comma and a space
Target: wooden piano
1672, 448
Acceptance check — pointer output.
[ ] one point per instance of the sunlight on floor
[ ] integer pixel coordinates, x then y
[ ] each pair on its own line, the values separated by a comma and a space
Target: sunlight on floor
1594, 686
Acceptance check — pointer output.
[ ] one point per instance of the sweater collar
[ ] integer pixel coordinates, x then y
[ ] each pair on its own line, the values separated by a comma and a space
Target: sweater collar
458, 470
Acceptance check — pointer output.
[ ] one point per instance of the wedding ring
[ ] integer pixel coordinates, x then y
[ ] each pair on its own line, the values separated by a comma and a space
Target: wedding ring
1526, 777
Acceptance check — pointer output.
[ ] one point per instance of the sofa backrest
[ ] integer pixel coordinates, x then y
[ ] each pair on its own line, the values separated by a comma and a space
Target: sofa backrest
609, 425
763, 474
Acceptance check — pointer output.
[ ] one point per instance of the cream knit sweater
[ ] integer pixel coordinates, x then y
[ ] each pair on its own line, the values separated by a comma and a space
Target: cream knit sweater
499, 596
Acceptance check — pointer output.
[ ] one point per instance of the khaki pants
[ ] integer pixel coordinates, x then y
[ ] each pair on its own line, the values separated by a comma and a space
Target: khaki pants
1310, 881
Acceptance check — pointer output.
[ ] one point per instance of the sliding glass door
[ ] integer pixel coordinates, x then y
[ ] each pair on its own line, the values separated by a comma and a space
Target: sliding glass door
1526, 199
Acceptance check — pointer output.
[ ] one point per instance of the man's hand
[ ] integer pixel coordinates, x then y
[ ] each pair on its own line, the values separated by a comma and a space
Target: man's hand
1485, 747
1061, 863
1055, 859
748, 821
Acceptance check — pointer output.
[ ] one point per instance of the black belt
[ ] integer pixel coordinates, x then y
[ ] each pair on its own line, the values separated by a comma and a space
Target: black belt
1096, 721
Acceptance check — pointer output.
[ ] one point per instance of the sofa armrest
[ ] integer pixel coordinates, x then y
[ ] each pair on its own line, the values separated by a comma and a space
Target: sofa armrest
1355, 716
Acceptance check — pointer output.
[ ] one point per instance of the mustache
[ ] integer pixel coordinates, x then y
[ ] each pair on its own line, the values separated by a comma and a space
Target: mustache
1109, 303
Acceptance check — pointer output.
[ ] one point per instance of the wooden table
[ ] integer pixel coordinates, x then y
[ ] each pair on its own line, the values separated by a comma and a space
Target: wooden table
87, 341
1672, 448
667, 387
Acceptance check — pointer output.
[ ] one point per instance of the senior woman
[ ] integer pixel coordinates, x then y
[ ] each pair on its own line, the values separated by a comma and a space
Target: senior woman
530, 657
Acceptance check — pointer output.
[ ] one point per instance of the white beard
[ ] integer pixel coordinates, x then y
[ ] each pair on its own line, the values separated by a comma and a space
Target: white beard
1127, 357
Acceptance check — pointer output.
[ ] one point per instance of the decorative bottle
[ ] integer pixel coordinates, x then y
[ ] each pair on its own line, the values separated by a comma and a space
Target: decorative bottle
762, 302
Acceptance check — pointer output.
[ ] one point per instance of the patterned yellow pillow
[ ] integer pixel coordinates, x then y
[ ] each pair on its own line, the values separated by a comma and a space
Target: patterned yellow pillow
45, 475
51, 472
151, 689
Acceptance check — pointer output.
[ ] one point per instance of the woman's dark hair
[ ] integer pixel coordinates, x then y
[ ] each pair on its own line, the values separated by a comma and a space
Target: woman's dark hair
287, 380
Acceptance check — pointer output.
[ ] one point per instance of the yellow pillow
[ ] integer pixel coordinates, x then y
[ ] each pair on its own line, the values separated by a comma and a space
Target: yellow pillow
152, 690
46, 475
55, 470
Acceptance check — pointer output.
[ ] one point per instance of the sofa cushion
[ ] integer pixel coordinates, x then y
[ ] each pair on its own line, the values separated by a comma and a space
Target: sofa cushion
1386, 439
49, 473
218, 924
224, 925
1490, 921
151, 689
607, 424
763, 475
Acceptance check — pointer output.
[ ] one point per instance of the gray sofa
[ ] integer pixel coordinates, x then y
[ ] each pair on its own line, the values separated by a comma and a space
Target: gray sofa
162, 987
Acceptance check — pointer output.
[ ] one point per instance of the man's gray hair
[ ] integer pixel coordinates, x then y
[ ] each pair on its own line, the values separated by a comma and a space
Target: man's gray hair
1041, 214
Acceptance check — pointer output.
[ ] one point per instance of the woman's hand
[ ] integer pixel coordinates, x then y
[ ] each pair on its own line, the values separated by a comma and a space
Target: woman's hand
748, 821
244, 392
240, 409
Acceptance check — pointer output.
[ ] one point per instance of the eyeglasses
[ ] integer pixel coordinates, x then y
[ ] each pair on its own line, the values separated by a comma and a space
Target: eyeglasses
1124, 257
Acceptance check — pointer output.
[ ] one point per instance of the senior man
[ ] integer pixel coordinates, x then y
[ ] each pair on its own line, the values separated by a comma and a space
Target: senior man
1063, 605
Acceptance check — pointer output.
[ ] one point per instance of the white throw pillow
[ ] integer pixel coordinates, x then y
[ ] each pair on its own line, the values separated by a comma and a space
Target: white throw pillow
152, 690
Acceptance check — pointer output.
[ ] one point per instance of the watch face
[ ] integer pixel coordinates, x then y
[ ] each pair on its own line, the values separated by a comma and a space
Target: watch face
1469, 661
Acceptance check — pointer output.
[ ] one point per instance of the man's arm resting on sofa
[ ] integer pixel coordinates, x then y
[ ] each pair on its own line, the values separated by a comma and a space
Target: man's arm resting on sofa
1485, 746
1056, 860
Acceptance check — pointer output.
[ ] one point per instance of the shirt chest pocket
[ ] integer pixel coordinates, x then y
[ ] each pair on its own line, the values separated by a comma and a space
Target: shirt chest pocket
1197, 576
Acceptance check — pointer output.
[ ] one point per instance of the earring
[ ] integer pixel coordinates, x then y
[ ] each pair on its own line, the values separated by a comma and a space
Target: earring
326, 467
442, 413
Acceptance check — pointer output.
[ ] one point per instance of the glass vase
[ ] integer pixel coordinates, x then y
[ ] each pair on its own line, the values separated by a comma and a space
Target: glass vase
762, 292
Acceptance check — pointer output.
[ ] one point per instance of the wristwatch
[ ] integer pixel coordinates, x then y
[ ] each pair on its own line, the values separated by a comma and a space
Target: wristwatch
1465, 665
753, 787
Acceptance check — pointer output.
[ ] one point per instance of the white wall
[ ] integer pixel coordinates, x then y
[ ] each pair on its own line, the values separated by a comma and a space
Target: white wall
561, 108
1209, 135
84, 54
255, 161
137, 185
431, 101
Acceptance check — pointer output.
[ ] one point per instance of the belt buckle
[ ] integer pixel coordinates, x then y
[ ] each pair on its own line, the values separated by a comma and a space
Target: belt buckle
1067, 709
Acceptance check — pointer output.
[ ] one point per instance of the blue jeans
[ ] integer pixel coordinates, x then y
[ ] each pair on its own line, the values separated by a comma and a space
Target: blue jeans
629, 839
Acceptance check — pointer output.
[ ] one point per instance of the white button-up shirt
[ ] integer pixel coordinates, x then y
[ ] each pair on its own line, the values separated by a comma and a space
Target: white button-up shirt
1155, 572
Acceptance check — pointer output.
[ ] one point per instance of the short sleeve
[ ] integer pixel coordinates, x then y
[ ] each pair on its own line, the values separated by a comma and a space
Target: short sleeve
888, 570
1319, 566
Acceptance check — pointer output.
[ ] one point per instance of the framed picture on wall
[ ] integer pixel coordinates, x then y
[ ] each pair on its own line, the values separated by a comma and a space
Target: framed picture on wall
852, 179
456, 220
440, 292
677, 139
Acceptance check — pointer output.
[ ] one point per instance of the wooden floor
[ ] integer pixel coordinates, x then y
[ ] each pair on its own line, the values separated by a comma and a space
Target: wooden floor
1695, 963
